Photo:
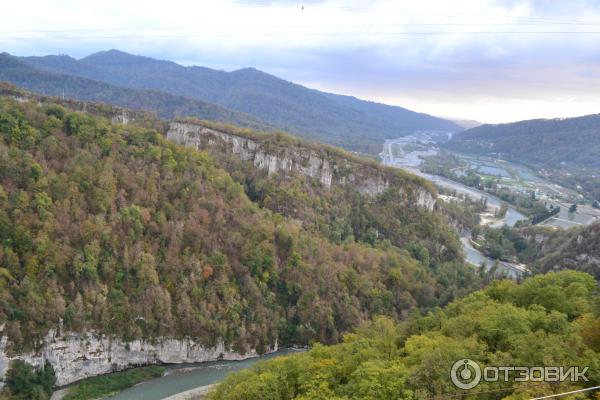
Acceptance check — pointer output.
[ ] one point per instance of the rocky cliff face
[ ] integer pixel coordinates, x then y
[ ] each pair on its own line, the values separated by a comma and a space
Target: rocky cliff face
557, 249
578, 250
328, 169
77, 356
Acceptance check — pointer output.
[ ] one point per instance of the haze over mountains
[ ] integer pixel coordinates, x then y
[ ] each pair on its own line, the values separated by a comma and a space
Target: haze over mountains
262, 98
165, 105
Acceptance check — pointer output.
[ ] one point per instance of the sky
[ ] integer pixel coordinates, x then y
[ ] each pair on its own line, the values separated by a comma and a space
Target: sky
486, 60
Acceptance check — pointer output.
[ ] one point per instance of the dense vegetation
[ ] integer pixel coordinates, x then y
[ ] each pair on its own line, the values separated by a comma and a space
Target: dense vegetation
110, 227
508, 244
339, 120
584, 180
24, 382
340, 213
103, 386
547, 320
576, 249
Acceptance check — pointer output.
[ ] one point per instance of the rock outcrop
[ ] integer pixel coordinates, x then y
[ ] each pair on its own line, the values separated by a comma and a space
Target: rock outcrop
312, 161
77, 356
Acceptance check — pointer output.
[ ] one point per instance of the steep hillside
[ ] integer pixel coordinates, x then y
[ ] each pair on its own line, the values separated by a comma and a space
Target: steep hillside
543, 142
577, 249
332, 192
14, 70
119, 247
340, 120
548, 320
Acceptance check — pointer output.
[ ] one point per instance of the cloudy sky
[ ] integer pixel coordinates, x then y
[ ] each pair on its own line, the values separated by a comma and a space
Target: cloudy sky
489, 60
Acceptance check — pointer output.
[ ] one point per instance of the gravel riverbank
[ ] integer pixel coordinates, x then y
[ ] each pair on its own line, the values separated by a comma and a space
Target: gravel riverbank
193, 394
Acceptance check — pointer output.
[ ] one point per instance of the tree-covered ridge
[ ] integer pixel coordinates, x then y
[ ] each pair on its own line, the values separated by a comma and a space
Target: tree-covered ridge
343, 121
111, 227
544, 142
577, 249
548, 320
276, 142
104, 110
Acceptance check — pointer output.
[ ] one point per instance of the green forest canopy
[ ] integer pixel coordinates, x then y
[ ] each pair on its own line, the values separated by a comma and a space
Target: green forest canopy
548, 320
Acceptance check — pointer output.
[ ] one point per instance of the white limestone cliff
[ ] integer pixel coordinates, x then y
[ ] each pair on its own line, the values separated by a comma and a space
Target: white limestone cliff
328, 170
77, 356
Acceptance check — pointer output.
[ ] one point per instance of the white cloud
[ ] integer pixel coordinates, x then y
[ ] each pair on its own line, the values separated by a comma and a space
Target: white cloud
383, 50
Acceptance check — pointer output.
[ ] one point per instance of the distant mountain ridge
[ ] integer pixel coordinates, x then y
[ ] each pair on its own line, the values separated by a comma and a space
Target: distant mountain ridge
335, 119
165, 105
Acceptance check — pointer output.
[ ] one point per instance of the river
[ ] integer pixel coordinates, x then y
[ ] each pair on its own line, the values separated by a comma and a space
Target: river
410, 161
472, 255
183, 377
512, 215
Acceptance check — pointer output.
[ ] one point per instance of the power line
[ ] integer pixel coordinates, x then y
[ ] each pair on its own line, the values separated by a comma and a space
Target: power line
504, 21
215, 27
231, 30
303, 34
504, 389
195, 28
567, 393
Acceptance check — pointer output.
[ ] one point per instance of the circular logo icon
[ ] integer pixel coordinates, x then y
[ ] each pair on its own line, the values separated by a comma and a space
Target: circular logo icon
465, 374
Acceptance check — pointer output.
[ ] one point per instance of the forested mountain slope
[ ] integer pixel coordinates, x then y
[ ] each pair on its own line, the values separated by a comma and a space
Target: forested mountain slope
340, 120
543, 142
356, 198
165, 105
548, 320
112, 228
